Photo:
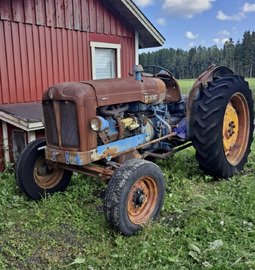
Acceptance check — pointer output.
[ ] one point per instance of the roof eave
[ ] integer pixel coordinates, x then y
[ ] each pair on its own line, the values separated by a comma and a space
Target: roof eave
149, 36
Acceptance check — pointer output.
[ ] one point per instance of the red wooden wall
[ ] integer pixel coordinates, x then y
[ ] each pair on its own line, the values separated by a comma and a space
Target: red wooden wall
43, 42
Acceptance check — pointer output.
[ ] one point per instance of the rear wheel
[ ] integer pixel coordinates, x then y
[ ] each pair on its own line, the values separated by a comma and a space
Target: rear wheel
223, 126
134, 195
33, 175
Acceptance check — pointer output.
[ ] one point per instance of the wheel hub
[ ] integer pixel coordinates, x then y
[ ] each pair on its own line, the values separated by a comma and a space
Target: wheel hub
142, 200
230, 128
139, 198
44, 177
236, 129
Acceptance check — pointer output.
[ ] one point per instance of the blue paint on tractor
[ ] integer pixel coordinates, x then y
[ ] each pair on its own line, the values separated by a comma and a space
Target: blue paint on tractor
67, 157
122, 145
53, 154
78, 159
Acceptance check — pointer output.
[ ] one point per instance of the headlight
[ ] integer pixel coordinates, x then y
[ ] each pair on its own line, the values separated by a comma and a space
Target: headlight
95, 124
99, 124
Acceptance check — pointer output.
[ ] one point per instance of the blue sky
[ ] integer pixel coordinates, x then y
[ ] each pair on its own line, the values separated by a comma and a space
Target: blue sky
189, 23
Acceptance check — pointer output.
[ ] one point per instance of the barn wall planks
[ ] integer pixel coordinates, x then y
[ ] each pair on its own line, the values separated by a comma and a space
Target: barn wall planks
44, 42
36, 57
82, 15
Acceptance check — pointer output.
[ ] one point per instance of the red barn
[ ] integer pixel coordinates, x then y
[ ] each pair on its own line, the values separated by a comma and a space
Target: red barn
44, 42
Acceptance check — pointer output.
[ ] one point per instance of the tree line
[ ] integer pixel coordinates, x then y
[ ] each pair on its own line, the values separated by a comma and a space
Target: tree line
239, 56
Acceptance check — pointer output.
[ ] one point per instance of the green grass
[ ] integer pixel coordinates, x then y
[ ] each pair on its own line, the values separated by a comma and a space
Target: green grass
205, 223
187, 84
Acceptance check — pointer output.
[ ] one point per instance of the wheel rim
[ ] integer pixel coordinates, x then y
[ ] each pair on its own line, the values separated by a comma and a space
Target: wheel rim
236, 129
142, 200
44, 177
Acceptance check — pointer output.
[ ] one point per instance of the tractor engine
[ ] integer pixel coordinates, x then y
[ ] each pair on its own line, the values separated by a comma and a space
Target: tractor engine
94, 120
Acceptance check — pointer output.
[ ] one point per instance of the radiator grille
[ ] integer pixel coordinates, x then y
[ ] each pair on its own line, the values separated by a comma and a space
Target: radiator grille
50, 123
69, 124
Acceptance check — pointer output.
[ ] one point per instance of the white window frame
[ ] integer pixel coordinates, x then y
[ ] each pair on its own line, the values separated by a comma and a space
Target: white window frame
105, 45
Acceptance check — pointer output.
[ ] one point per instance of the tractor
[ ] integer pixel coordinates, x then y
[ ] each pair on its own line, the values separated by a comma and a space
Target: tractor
112, 128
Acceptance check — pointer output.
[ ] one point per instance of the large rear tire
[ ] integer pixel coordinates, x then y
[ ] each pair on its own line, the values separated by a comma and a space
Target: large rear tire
33, 176
223, 126
134, 195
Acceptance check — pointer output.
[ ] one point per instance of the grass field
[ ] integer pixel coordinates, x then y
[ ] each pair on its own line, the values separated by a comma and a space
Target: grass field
204, 223
187, 84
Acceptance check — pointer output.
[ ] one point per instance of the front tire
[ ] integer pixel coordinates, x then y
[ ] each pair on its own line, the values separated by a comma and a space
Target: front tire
223, 126
134, 195
33, 176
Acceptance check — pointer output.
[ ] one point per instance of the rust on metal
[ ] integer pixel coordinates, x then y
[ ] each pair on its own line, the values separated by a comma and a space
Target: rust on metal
202, 81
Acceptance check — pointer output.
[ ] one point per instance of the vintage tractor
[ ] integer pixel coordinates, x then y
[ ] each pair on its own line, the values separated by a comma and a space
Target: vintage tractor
108, 128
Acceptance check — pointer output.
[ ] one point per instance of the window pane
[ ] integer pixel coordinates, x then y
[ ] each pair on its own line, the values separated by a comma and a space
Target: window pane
105, 63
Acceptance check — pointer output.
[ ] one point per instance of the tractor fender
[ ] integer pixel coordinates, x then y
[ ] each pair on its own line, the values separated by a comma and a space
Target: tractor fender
201, 83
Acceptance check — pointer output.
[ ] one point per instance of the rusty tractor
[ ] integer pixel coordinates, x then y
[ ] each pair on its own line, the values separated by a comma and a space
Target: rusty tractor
110, 128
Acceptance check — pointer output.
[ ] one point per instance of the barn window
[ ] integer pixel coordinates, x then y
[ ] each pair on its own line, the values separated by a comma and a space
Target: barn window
105, 60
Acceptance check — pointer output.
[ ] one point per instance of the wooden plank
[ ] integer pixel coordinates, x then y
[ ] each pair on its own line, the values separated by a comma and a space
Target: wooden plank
69, 17
17, 62
60, 66
80, 56
31, 62
86, 56
18, 11
3, 67
24, 62
40, 12
100, 17
49, 56
107, 25
50, 12
10, 62
37, 62
65, 55
77, 14
60, 13
119, 28
113, 25
43, 57
92, 16
6, 10
85, 15
29, 9
54, 55
75, 56
70, 54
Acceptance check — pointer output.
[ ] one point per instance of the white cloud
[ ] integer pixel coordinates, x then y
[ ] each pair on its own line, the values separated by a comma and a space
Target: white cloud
161, 21
248, 7
224, 40
218, 41
190, 35
186, 8
224, 33
144, 3
223, 17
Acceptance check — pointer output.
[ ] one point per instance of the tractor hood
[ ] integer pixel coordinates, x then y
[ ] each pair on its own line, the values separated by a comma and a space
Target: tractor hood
109, 91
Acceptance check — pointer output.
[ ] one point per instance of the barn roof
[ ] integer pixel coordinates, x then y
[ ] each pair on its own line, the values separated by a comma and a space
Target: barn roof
149, 36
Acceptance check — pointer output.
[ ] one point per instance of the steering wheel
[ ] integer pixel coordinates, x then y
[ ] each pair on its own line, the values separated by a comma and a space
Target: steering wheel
166, 77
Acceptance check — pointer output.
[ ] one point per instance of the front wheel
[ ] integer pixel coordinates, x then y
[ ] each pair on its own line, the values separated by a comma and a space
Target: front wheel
134, 195
223, 126
33, 175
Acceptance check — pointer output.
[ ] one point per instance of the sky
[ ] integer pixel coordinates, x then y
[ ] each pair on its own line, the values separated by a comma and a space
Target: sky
189, 23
